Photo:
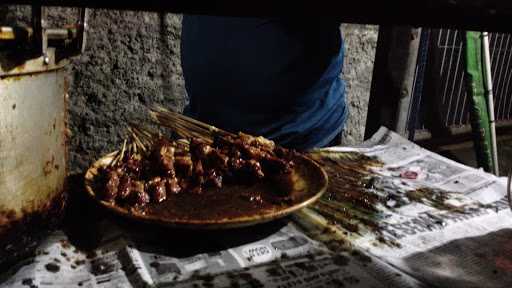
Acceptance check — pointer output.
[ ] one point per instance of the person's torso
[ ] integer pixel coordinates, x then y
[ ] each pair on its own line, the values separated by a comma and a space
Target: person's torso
273, 77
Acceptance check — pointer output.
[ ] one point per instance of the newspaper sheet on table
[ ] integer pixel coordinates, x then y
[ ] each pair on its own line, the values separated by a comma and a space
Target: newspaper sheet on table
122, 260
436, 247
442, 248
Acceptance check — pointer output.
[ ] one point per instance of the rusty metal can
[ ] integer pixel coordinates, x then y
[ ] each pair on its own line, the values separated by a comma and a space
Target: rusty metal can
33, 151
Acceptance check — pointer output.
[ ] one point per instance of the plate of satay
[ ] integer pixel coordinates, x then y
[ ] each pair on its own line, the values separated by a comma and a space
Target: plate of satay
206, 178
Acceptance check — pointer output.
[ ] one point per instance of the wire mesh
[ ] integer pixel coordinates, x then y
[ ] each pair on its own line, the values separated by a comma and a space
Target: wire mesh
448, 55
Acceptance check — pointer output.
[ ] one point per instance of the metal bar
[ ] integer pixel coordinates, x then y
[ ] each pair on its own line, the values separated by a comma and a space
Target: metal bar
464, 119
493, 35
463, 102
495, 54
501, 89
490, 102
465, 109
444, 49
460, 91
494, 70
455, 75
52, 34
496, 81
494, 39
82, 28
506, 96
497, 78
448, 78
422, 60
466, 128
509, 106
490, 15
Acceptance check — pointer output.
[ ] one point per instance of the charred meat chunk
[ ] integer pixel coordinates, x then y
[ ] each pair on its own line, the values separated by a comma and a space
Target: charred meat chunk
196, 189
213, 178
236, 163
198, 169
185, 184
172, 185
253, 167
197, 179
259, 142
209, 156
188, 167
218, 160
275, 165
111, 186
250, 152
138, 195
183, 166
133, 165
157, 189
248, 172
124, 187
283, 153
163, 154
199, 149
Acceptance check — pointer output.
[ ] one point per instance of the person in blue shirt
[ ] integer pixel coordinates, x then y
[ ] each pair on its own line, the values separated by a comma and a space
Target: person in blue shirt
279, 77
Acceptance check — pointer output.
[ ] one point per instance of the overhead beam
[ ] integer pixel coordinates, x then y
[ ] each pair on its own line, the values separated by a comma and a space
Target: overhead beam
490, 15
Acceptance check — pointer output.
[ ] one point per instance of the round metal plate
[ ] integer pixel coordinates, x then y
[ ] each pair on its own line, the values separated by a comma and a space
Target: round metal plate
310, 182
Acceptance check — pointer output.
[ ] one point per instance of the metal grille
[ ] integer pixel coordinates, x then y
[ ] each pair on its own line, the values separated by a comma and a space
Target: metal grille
502, 72
448, 50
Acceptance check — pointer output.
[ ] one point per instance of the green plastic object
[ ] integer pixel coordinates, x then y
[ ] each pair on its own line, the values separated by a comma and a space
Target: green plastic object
476, 87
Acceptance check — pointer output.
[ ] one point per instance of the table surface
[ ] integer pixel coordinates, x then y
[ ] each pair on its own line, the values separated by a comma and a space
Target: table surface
431, 225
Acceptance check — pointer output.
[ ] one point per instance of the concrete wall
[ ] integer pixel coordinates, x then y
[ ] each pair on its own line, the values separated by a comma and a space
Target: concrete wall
360, 42
132, 58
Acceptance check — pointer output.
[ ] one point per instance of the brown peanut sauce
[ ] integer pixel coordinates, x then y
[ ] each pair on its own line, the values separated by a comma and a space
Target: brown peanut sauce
230, 201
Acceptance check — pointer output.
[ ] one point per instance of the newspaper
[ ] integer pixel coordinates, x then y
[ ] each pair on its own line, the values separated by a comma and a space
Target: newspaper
286, 258
434, 247
440, 247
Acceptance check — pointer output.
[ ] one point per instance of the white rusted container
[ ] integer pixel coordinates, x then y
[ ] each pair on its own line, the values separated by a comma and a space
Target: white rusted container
33, 130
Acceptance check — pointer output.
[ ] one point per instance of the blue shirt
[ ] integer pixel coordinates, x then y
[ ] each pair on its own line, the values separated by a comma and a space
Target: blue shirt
279, 78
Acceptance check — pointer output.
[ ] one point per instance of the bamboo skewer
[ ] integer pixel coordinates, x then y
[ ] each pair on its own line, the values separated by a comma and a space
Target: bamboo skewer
185, 126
